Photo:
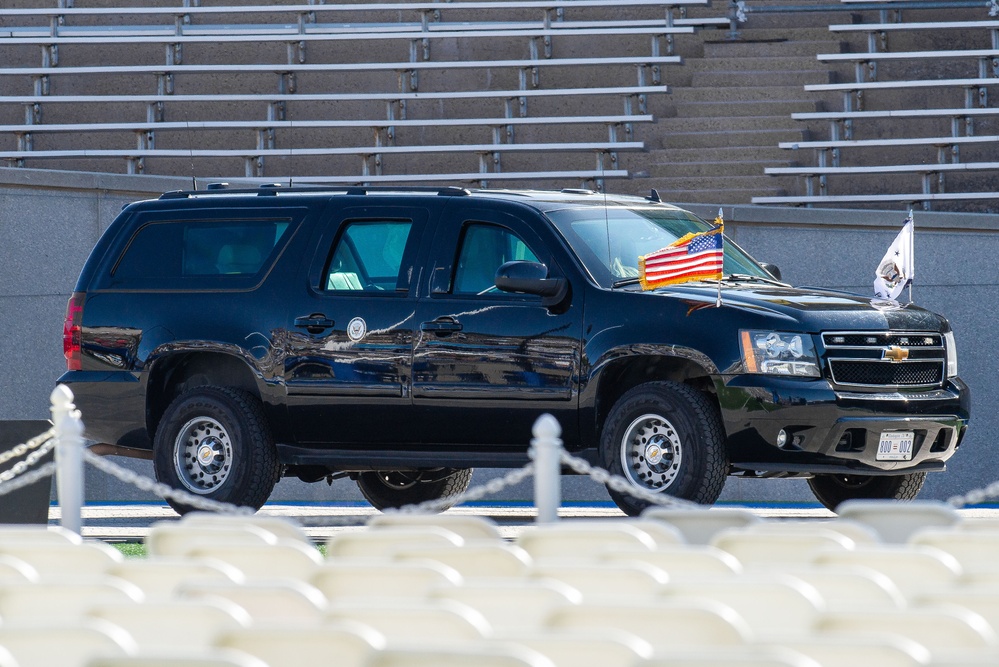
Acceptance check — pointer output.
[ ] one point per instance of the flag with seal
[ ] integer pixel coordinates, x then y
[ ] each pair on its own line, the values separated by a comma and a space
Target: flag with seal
898, 266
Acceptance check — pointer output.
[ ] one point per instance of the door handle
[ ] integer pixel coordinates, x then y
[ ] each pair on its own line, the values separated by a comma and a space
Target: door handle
314, 323
442, 326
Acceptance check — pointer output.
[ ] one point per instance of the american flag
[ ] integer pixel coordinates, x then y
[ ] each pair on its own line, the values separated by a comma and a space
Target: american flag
692, 257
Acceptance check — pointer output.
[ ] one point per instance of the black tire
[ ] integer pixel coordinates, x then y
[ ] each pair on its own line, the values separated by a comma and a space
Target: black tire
673, 440
214, 442
831, 490
392, 490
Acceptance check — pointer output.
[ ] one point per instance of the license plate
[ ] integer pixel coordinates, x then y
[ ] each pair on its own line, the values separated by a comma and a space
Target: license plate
895, 446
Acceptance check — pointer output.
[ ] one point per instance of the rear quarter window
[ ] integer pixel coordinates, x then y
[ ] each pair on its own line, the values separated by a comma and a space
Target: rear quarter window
192, 254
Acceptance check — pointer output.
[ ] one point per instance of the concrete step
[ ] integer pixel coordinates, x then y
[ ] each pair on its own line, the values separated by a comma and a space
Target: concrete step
770, 48
752, 64
760, 78
721, 154
728, 195
677, 168
817, 33
747, 139
733, 108
763, 93
727, 123
723, 182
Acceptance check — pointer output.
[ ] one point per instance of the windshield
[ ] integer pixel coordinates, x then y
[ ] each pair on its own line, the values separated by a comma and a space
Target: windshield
610, 240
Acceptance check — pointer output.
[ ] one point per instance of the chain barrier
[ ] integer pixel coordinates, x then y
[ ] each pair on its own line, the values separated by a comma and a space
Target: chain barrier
20, 450
27, 479
622, 485
34, 457
490, 488
162, 490
975, 497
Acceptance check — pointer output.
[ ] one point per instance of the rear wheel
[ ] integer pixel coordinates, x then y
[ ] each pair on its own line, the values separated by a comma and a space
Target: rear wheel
667, 438
394, 489
831, 490
214, 442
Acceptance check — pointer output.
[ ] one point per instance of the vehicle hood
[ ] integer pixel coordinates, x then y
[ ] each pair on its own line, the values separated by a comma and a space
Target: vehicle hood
811, 310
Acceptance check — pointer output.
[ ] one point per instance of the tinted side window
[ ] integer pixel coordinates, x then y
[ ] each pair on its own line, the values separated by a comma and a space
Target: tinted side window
484, 248
176, 253
368, 257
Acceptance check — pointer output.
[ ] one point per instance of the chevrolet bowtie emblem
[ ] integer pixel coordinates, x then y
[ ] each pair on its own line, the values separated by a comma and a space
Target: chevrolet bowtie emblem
895, 353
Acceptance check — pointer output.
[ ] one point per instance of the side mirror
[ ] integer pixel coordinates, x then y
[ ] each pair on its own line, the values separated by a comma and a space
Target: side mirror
772, 270
528, 278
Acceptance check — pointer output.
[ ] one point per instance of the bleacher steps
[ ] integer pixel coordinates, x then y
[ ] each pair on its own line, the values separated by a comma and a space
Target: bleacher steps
727, 118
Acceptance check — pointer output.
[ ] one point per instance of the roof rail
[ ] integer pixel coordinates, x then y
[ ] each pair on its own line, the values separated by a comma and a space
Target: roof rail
271, 189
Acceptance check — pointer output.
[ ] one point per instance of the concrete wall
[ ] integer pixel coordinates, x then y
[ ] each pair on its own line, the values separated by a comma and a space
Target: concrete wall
50, 220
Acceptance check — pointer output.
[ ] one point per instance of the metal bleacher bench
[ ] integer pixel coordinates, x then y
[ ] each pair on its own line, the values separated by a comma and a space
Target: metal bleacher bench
297, 26
910, 198
975, 89
486, 152
841, 122
877, 33
865, 64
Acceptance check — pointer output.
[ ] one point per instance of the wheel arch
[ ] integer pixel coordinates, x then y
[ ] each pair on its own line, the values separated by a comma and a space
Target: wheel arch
173, 374
623, 374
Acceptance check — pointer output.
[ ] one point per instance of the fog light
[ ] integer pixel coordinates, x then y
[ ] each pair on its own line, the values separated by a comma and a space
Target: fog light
782, 438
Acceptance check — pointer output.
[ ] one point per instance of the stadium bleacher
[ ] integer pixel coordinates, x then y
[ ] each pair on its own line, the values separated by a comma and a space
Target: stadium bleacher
330, 68
888, 131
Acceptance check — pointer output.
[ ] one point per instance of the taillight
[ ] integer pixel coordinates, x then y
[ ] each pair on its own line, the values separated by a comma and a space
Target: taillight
71, 331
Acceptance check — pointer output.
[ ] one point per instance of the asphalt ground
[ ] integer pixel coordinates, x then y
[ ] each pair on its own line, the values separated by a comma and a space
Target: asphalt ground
131, 522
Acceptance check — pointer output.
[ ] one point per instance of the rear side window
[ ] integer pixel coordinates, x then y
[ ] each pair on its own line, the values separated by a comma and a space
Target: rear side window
369, 257
178, 254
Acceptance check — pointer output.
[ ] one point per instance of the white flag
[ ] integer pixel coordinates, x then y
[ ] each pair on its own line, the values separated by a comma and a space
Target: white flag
898, 265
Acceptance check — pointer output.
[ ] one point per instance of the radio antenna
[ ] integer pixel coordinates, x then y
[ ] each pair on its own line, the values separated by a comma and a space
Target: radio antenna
190, 148
291, 152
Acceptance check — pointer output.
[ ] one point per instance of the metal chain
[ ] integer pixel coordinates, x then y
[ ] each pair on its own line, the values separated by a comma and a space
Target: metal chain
162, 490
622, 485
20, 450
21, 467
490, 488
975, 497
27, 478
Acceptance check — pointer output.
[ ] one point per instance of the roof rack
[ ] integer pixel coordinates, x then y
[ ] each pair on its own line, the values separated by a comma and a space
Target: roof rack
272, 189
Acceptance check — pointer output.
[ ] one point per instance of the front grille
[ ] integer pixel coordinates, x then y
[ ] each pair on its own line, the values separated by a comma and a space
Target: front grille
868, 373
866, 358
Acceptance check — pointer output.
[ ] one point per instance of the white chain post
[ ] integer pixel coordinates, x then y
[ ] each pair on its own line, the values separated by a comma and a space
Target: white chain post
69, 457
547, 448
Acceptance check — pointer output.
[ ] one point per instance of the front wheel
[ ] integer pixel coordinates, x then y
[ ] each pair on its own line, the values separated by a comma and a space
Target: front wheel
831, 490
393, 489
667, 438
214, 442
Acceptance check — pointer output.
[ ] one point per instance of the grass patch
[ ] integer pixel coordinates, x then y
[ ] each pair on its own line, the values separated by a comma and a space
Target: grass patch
130, 549
138, 549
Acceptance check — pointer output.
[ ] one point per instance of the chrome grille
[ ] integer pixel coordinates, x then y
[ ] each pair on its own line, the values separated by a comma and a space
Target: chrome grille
858, 358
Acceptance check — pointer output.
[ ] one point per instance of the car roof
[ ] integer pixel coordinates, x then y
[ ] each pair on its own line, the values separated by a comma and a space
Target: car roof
543, 200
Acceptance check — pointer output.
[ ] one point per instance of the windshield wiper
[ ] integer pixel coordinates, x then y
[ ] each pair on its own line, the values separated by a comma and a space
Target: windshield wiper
624, 281
745, 277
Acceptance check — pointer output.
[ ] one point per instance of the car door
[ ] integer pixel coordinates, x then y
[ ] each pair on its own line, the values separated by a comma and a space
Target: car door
348, 347
487, 363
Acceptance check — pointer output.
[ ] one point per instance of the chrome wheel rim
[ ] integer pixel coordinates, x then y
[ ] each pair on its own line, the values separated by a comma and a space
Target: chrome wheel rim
651, 453
203, 455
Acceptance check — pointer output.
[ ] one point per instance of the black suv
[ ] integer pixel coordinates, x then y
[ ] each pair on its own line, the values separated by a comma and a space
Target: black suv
404, 336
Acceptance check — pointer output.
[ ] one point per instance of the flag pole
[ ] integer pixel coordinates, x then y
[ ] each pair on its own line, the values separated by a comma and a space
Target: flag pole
912, 252
720, 221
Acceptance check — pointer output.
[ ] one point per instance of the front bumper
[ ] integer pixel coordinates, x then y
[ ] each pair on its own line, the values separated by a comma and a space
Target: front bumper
830, 431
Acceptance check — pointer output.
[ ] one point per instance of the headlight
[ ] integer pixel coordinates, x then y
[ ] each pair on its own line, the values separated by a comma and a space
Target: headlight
778, 353
951, 345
